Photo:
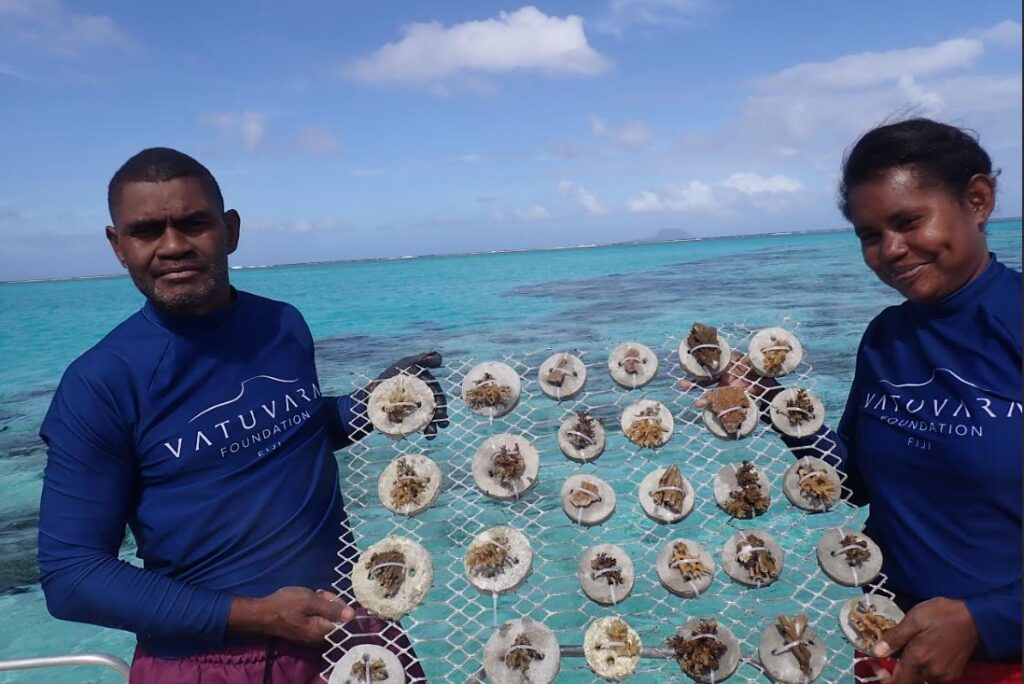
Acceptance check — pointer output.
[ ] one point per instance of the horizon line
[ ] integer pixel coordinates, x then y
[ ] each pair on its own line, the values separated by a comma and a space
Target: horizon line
402, 257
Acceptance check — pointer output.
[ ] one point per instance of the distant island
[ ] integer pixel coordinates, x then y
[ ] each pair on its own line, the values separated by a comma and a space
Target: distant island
663, 235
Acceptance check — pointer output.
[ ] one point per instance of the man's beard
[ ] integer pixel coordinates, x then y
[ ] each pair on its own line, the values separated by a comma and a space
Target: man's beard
184, 301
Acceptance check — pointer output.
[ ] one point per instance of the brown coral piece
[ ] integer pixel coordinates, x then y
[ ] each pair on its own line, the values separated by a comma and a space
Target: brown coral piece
669, 492
521, 658
700, 335
869, 625
367, 670
857, 551
632, 362
585, 494
757, 561
698, 656
603, 561
584, 425
389, 577
747, 500
408, 485
774, 358
624, 644
490, 558
487, 392
800, 409
507, 465
725, 402
400, 405
816, 485
792, 631
688, 565
646, 430
558, 373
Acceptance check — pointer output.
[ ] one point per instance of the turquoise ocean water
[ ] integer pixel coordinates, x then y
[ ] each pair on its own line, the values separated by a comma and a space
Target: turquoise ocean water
365, 314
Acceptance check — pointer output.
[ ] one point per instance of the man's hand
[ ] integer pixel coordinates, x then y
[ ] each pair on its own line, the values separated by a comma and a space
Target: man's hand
937, 638
740, 373
292, 613
417, 365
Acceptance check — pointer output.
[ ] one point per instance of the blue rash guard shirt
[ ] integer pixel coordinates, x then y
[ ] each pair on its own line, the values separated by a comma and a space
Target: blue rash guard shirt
931, 438
210, 439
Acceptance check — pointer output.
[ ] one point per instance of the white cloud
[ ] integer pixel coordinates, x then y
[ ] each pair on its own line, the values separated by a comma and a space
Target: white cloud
318, 141
250, 127
1006, 34
752, 184
523, 40
584, 199
740, 190
46, 26
623, 14
632, 135
873, 68
675, 198
537, 212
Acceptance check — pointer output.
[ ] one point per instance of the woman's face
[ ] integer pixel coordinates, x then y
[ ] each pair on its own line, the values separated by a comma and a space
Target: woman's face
917, 237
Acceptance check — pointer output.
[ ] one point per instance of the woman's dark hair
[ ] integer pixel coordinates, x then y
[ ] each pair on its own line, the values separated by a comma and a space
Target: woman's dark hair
939, 153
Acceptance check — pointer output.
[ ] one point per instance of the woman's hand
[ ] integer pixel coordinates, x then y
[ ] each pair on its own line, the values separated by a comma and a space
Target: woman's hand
740, 373
937, 638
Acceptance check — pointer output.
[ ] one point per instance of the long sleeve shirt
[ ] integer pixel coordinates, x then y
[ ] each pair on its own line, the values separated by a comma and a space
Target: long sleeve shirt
210, 439
931, 438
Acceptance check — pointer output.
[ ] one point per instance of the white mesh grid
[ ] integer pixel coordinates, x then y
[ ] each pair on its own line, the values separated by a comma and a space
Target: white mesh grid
449, 629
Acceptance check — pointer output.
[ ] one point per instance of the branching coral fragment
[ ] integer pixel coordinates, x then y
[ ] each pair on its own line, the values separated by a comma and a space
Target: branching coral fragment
487, 392
699, 655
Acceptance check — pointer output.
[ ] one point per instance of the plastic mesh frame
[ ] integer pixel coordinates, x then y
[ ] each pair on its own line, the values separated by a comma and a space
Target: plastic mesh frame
450, 627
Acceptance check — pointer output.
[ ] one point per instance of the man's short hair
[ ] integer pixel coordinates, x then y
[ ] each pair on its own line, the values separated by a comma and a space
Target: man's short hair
159, 164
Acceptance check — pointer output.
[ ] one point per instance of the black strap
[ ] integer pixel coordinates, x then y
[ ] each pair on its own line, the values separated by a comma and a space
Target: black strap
268, 664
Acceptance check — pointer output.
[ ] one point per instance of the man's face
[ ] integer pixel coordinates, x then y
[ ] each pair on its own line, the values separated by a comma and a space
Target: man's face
175, 240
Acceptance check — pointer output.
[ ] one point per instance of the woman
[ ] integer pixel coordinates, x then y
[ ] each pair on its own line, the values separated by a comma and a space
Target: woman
931, 435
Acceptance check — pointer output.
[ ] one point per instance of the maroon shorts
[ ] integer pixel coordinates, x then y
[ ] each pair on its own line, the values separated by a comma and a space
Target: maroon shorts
974, 672
275, 661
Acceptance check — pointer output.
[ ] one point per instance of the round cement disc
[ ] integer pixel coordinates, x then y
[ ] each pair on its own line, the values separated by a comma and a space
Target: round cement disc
746, 427
598, 589
608, 662
729, 661
588, 453
836, 567
419, 575
648, 365
673, 580
415, 391
632, 413
725, 482
503, 375
737, 571
770, 337
342, 673
511, 576
424, 468
540, 671
572, 383
884, 606
784, 667
696, 370
659, 513
780, 419
597, 512
494, 488
791, 484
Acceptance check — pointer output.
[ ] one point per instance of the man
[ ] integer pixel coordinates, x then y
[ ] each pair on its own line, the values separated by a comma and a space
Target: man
199, 423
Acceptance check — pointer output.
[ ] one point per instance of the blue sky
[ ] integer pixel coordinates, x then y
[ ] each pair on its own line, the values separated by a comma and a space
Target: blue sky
345, 130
